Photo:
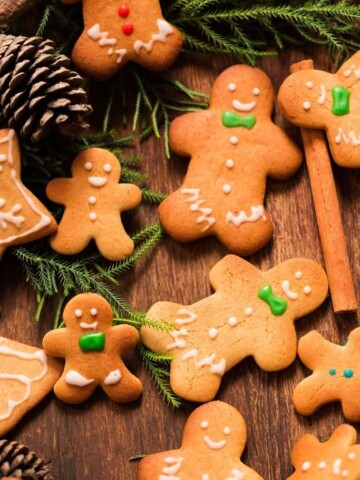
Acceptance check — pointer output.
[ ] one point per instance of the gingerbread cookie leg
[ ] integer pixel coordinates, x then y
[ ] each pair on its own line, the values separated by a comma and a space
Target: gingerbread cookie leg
309, 396
67, 240
74, 388
120, 391
115, 248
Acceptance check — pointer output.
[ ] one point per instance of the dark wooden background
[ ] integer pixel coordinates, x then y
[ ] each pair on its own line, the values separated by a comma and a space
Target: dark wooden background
96, 440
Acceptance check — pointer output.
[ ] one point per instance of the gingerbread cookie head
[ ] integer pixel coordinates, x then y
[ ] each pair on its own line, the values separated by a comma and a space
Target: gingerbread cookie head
96, 168
335, 375
321, 100
337, 457
116, 32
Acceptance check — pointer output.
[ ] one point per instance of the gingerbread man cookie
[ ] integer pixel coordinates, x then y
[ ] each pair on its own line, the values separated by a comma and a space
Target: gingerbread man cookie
321, 100
117, 32
214, 439
27, 375
335, 376
92, 348
252, 313
233, 147
93, 200
22, 217
338, 457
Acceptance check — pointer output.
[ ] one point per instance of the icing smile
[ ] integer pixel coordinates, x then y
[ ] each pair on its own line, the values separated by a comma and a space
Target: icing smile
88, 326
243, 107
97, 181
214, 445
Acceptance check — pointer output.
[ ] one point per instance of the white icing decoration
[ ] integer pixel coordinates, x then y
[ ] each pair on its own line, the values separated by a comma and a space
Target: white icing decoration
213, 333
11, 216
217, 368
44, 219
256, 91
113, 377
92, 200
179, 342
257, 212
234, 140
78, 313
305, 466
285, 285
309, 84
236, 475
243, 107
24, 379
226, 188
336, 466
351, 456
307, 105
92, 216
227, 431
165, 29
88, 326
347, 138
322, 98
298, 275
195, 202
107, 167
322, 465
88, 166
121, 52
307, 289
101, 37
214, 445
93, 312
204, 424
97, 181
345, 473
230, 163
353, 69
190, 317
232, 321
170, 471
75, 378
110, 51
205, 476
248, 311
232, 87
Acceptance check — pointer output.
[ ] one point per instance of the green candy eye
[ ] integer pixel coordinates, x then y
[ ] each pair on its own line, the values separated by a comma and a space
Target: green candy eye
332, 371
348, 373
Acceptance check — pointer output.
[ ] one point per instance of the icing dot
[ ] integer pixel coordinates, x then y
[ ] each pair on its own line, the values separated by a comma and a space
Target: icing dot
204, 424
226, 188
309, 84
107, 168
322, 465
123, 11
127, 28
347, 73
351, 455
348, 373
248, 311
227, 431
232, 87
110, 51
332, 371
232, 321
92, 200
230, 163
92, 216
307, 289
88, 166
298, 274
205, 477
256, 91
213, 332
93, 312
306, 466
307, 105
345, 473
234, 140
78, 313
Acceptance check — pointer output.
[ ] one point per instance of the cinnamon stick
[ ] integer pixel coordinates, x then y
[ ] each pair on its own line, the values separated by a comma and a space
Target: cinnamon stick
328, 216
10, 9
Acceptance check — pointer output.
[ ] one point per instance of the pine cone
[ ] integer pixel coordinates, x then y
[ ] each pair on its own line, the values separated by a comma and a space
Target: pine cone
17, 461
37, 88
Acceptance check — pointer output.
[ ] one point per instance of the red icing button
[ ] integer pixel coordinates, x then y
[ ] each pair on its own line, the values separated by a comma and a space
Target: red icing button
123, 11
127, 28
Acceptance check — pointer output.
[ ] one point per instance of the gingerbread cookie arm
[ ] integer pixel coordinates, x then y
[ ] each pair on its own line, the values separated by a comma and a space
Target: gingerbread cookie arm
347, 69
312, 347
56, 342
59, 189
123, 338
228, 268
311, 394
307, 442
185, 130
127, 195
156, 465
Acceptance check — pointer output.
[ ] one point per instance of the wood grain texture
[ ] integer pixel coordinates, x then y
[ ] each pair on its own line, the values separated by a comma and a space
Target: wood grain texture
95, 440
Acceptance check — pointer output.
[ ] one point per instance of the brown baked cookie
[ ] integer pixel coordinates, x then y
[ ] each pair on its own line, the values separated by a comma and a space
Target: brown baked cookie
93, 201
92, 349
117, 32
251, 313
234, 146
214, 439
335, 376
27, 375
338, 457
22, 217
330, 102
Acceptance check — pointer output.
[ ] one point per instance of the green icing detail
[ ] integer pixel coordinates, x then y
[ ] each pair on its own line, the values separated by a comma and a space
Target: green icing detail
341, 100
277, 305
233, 120
92, 342
332, 371
348, 373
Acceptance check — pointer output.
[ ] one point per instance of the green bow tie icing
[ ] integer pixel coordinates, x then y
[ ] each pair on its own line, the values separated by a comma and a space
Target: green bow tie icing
92, 342
277, 305
232, 120
341, 100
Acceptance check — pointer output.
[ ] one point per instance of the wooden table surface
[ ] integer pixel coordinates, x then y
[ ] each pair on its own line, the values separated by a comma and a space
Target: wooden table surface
95, 440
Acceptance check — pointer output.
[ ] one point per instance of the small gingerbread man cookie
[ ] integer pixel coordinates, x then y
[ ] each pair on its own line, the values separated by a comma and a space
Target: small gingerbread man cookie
321, 100
116, 32
22, 217
335, 376
92, 348
234, 146
93, 200
251, 313
214, 439
338, 457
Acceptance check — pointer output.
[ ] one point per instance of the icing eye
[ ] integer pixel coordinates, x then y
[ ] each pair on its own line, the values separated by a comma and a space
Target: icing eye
107, 168
256, 91
93, 312
309, 84
88, 166
307, 290
204, 424
298, 274
307, 105
232, 87
227, 431
78, 313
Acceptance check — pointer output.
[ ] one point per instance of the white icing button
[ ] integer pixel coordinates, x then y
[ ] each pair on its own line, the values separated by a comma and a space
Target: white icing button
232, 321
306, 466
92, 200
248, 311
88, 166
234, 140
232, 87
230, 163
307, 105
213, 332
205, 477
93, 312
307, 289
92, 216
309, 84
322, 465
351, 456
298, 274
78, 313
226, 188
204, 424
345, 473
107, 168
227, 431
110, 51
256, 91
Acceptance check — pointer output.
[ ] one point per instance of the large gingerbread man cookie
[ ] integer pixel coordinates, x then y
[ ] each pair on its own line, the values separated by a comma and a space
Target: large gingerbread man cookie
93, 201
92, 349
234, 146
321, 100
335, 375
22, 217
338, 457
214, 439
251, 313
116, 32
